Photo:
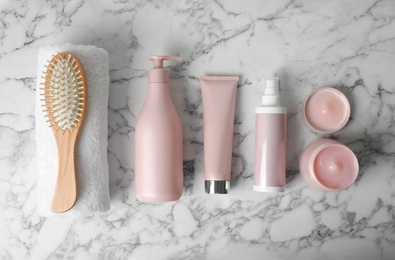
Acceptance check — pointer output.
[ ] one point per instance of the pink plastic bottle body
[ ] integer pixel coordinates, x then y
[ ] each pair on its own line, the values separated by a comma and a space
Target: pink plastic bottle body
270, 151
158, 148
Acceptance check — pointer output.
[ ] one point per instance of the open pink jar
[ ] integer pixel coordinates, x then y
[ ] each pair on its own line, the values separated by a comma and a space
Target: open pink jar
328, 165
326, 110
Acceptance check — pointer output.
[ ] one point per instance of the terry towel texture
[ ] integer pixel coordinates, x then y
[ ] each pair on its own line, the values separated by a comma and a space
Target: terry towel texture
93, 196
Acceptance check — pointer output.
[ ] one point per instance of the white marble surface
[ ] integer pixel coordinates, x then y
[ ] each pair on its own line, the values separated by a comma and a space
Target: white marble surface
308, 44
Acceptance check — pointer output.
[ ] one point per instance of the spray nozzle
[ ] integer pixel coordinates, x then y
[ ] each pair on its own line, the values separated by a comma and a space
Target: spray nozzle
271, 93
158, 60
271, 88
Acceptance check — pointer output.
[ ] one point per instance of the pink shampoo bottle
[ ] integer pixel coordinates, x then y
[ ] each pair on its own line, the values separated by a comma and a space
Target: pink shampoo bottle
158, 141
270, 141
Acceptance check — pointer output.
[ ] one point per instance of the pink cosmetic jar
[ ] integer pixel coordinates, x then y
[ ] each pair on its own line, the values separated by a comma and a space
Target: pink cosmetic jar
326, 110
328, 165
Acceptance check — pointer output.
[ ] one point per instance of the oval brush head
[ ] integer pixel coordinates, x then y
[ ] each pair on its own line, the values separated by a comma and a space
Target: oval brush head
64, 92
65, 100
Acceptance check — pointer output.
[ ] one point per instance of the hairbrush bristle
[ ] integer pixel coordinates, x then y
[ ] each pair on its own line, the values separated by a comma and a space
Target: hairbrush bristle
64, 92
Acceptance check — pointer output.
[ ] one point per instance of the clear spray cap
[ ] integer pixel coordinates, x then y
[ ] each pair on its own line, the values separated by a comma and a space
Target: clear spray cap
271, 96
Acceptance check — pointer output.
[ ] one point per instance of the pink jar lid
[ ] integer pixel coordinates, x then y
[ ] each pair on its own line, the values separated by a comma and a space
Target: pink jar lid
326, 110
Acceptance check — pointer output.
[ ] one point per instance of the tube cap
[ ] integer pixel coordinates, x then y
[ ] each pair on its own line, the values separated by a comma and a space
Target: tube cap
159, 74
217, 187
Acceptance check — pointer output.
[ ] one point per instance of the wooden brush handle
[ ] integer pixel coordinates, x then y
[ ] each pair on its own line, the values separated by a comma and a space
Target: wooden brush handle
66, 186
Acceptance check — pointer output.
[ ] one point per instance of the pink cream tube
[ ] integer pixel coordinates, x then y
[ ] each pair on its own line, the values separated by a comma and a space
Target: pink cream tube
219, 100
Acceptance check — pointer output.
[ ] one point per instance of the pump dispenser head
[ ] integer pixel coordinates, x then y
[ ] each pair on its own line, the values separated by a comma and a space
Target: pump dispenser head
158, 60
159, 74
271, 96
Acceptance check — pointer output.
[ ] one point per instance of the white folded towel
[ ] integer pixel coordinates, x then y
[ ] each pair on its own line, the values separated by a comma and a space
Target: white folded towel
93, 196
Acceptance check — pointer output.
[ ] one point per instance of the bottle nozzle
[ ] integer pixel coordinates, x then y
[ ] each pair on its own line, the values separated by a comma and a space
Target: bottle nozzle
158, 74
271, 93
158, 60
271, 88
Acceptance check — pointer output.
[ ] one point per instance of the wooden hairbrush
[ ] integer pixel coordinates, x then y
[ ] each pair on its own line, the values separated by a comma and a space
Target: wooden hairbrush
65, 96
